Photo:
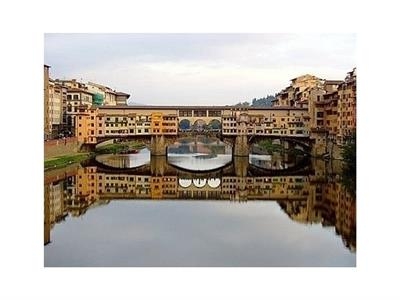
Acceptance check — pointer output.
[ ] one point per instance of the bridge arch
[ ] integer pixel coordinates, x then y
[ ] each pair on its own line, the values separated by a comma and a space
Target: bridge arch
184, 125
215, 125
199, 125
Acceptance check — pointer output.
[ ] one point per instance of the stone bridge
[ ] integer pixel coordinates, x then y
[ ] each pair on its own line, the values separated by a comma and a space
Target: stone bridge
160, 126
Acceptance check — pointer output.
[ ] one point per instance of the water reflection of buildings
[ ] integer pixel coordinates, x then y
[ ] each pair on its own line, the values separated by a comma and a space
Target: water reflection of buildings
330, 205
316, 198
276, 161
201, 144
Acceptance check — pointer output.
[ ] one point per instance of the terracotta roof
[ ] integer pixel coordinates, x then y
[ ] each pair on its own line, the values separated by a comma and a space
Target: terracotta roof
122, 94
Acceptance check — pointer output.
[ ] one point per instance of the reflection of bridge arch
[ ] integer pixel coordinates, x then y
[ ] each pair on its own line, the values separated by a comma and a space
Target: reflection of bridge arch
123, 167
199, 182
185, 182
214, 182
304, 143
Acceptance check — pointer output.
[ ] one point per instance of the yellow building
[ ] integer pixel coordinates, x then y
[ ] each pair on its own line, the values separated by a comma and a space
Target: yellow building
86, 125
156, 123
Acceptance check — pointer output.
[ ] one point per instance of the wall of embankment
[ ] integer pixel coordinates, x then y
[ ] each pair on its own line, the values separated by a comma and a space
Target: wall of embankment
60, 147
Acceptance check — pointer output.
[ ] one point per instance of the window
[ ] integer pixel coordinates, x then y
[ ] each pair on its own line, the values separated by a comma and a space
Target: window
76, 97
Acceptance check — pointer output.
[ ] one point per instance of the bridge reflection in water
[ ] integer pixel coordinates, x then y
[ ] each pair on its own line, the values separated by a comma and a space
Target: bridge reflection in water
310, 193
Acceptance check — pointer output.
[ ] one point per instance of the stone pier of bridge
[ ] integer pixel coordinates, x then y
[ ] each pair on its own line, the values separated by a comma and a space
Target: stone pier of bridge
241, 147
159, 145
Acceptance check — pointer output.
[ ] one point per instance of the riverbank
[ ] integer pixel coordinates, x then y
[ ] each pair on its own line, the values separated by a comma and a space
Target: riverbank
119, 147
59, 154
64, 160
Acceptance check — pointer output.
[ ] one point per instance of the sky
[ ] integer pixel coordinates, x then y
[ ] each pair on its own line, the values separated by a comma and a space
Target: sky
198, 69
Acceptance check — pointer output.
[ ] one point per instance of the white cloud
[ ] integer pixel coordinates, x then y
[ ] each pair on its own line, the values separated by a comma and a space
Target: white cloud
199, 68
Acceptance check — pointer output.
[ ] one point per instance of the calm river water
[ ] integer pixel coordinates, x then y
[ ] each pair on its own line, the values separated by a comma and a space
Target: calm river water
130, 210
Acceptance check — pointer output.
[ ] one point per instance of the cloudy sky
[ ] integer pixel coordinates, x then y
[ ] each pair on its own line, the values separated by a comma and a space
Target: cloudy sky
206, 69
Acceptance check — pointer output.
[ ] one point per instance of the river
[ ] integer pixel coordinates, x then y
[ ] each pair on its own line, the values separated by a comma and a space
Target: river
198, 209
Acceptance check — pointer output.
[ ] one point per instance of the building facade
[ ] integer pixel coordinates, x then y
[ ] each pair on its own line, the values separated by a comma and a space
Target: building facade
47, 121
331, 106
347, 100
102, 122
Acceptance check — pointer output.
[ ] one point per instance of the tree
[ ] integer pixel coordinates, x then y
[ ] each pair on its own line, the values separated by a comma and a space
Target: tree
349, 154
261, 102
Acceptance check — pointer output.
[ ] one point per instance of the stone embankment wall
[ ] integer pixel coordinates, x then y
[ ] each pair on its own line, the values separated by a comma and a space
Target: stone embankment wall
60, 174
59, 147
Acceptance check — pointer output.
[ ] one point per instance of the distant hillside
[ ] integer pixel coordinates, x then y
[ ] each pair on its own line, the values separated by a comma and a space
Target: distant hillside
261, 102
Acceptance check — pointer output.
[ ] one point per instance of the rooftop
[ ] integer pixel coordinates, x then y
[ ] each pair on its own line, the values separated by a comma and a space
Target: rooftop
333, 81
76, 90
122, 94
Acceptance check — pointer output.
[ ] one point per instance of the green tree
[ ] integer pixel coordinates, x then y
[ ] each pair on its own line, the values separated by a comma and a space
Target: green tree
349, 154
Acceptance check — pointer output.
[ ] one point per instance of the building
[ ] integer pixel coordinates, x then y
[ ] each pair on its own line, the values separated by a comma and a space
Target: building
122, 98
47, 121
299, 91
347, 99
331, 106
72, 95
275, 122
76, 98
57, 106
109, 96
